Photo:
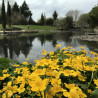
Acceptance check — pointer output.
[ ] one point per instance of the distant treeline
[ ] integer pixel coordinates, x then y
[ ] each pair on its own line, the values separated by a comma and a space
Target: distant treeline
21, 15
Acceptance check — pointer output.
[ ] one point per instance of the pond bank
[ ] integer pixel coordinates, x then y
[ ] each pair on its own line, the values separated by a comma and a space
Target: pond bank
17, 32
87, 37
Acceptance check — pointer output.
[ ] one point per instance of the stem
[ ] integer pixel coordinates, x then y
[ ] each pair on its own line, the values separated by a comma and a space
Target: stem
91, 77
83, 68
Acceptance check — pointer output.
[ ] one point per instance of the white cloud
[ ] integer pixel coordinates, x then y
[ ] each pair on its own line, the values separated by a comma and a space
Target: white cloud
61, 6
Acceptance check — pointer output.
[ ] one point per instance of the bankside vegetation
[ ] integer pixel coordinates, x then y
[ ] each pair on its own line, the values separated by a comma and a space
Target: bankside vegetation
63, 73
22, 15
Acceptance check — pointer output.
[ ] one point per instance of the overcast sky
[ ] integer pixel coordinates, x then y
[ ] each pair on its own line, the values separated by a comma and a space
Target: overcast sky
61, 6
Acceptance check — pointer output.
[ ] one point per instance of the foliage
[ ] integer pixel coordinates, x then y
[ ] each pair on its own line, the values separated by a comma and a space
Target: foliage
49, 21
3, 15
18, 18
9, 14
64, 23
42, 20
84, 20
60, 23
94, 16
15, 8
31, 21
55, 15
4, 64
74, 14
24, 9
61, 73
36, 27
69, 23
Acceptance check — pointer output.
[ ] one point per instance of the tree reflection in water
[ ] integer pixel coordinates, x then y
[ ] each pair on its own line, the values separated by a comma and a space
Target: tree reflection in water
30, 46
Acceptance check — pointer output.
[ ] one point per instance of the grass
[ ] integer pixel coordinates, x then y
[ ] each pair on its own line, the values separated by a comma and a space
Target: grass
31, 27
42, 29
4, 64
35, 27
7, 27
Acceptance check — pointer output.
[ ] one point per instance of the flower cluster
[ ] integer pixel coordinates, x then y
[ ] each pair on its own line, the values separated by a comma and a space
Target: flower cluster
63, 73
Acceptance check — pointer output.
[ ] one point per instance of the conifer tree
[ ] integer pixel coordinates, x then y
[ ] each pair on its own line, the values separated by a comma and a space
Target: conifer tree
24, 9
9, 14
55, 15
3, 15
15, 8
42, 20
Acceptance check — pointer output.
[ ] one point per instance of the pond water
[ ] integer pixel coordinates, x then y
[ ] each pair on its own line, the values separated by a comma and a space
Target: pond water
21, 47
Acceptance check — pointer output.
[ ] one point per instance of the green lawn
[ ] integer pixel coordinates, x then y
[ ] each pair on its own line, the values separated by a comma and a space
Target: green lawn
31, 27
41, 29
35, 27
1, 28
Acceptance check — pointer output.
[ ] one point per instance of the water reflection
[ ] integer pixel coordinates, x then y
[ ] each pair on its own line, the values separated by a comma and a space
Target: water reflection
19, 48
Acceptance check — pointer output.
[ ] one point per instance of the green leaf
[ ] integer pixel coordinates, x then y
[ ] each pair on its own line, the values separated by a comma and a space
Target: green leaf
95, 93
48, 87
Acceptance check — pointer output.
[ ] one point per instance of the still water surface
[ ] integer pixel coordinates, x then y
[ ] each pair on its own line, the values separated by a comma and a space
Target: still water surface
19, 48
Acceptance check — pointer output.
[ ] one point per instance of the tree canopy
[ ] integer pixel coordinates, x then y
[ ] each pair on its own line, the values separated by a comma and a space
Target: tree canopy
94, 16
24, 9
9, 13
15, 7
3, 15
55, 15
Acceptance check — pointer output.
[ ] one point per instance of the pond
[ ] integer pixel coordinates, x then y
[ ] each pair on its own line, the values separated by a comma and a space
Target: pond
21, 47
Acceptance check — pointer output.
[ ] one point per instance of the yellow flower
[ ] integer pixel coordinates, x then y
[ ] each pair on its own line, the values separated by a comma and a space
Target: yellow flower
64, 48
73, 49
5, 71
9, 93
89, 91
94, 53
38, 84
51, 53
67, 94
73, 93
57, 46
39, 71
96, 82
81, 78
25, 63
17, 96
68, 72
82, 47
4, 95
69, 86
69, 47
56, 81
6, 75
27, 59
16, 65
17, 70
21, 88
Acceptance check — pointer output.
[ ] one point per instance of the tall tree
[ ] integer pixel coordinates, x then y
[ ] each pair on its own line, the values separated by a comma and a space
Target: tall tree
0, 9
42, 20
31, 21
49, 21
68, 22
11, 2
3, 15
15, 8
94, 16
55, 15
24, 9
74, 14
84, 20
9, 14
